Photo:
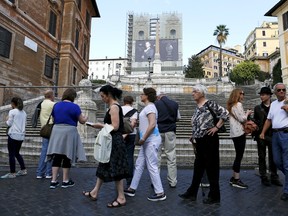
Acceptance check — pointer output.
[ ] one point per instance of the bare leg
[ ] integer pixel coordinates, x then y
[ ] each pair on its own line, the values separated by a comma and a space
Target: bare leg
120, 191
94, 192
66, 174
55, 171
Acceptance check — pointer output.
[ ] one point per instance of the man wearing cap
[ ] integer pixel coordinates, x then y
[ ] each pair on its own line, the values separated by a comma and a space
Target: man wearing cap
278, 118
168, 115
260, 115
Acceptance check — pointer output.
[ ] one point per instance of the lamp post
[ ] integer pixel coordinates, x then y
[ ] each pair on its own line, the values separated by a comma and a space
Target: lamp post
119, 71
149, 62
229, 71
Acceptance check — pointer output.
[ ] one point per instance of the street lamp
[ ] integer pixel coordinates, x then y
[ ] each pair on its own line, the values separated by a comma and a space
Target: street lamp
119, 66
229, 71
149, 62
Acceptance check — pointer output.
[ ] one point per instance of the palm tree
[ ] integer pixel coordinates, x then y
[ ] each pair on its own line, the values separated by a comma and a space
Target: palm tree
221, 33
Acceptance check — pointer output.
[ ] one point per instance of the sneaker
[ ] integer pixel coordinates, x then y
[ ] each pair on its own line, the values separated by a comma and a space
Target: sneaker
187, 195
238, 183
53, 185
231, 180
9, 176
70, 183
21, 172
129, 192
48, 176
204, 185
284, 197
156, 197
209, 200
265, 181
276, 182
39, 177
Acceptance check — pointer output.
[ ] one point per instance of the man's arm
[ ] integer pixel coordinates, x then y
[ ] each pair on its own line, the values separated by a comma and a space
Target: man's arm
265, 128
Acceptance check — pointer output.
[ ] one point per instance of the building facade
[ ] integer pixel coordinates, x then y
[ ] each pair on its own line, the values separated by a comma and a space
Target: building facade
280, 10
210, 58
43, 43
260, 43
154, 42
103, 69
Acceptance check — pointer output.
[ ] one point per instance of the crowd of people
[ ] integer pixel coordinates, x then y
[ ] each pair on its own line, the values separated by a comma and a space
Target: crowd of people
156, 129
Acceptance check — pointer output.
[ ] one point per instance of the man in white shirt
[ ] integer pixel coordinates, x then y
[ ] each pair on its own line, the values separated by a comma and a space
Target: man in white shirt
44, 169
278, 117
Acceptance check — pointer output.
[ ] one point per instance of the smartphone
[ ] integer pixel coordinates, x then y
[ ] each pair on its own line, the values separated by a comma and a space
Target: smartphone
90, 124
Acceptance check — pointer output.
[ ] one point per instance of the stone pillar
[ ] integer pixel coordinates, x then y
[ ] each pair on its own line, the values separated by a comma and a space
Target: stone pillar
88, 107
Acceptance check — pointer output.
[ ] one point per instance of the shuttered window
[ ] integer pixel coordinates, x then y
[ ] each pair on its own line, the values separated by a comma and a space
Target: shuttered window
48, 71
5, 42
52, 23
285, 21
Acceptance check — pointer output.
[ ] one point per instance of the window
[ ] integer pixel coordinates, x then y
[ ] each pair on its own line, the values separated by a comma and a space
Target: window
141, 35
173, 33
5, 42
264, 44
84, 51
263, 33
285, 21
88, 19
48, 71
74, 75
265, 54
52, 23
76, 39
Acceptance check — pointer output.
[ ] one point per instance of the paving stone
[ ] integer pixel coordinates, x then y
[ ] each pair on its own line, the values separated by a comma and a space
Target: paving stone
26, 195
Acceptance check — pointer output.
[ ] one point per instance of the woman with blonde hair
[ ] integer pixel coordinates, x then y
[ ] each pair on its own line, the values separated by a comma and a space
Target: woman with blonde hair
237, 117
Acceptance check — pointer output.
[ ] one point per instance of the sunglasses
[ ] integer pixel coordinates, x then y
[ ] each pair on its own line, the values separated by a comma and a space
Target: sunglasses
278, 90
242, 93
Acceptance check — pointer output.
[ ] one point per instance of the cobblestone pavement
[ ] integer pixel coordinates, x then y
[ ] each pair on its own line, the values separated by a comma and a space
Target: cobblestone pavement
27, 195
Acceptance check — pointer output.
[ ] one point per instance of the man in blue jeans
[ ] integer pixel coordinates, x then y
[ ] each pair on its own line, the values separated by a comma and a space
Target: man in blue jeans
44, 169
278, 117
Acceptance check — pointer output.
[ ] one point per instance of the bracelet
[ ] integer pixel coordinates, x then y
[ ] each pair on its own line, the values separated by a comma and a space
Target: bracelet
217, 127
142, 139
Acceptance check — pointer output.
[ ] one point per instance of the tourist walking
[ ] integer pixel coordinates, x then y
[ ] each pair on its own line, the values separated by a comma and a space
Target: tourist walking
16, 121
206, 144
129, 139
237, 117
65, 146
278, 118
168, 115
150, 141
117, 168
44, 169
260, 115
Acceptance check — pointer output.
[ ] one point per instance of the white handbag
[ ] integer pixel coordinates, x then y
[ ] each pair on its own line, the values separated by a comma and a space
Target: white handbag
103, 144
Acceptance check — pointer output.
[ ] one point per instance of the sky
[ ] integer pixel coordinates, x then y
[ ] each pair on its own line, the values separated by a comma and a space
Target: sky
199, 20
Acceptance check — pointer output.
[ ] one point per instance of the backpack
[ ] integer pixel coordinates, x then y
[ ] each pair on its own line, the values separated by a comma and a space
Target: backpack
35, 116
126, 122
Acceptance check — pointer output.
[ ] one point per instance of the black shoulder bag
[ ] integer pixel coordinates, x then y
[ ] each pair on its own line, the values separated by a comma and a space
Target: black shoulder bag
222, 129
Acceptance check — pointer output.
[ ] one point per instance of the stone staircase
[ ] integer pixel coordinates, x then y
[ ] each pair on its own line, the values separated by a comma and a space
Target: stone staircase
31, 147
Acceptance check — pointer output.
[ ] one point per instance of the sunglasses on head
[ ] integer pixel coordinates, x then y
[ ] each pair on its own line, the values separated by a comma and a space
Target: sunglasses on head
278, 90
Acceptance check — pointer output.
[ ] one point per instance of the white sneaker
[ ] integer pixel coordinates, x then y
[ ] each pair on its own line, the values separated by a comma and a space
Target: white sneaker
39, 177
21, 172
9, 176
48, 177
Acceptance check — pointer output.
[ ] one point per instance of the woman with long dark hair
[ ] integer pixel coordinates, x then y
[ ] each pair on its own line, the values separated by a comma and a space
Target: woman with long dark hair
16, 121
237, 118
117, 167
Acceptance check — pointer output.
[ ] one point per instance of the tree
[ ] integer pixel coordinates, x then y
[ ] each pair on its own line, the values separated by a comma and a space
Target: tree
277, 73
221, 33
244, 72
194, 68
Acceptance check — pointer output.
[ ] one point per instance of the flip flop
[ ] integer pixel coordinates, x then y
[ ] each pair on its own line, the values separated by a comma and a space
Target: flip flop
89, 195
118, 204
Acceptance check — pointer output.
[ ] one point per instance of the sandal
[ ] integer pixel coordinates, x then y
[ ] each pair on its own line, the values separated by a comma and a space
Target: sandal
118, 204
89, 195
